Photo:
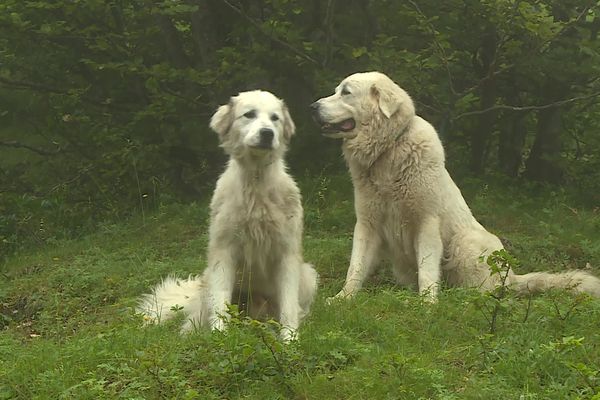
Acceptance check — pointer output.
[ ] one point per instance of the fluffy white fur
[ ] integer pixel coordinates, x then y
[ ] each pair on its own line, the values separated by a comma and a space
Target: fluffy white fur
255, 238
408, 208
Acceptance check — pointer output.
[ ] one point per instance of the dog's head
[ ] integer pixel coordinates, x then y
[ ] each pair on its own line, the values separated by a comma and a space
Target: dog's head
253, 122
357, 101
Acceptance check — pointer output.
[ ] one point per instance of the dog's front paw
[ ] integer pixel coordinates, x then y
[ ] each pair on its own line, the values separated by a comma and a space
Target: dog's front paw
218, 324
430, 295
330, 300
288, 334
430, 299
190, 325
342, 295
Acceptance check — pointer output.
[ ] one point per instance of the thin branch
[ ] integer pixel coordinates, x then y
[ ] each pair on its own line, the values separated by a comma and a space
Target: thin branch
578, 142
29, 85
70, 180
437, 44
328, 27
282, 369
173, 93
40, 87
526, 316
566, 26
15, 144
539, 49
275, 39
527, 108
420, 104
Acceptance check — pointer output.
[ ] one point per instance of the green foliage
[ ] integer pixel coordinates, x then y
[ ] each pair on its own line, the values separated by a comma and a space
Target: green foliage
103, 119
497, 300
67, 329
104, 104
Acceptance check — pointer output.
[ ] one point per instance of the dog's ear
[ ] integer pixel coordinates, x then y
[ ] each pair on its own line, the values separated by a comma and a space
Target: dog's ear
388, 99
222, 119
289, 128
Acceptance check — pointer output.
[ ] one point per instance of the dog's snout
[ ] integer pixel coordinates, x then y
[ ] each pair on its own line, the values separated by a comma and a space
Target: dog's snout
266, 136
315, 109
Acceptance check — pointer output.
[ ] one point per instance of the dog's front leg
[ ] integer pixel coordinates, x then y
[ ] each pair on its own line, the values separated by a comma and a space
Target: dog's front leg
288, 287
366, 246
429, 249
220, 281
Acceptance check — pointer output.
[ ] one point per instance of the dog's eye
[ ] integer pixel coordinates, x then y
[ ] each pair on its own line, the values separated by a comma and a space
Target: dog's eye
274, 117
250, 114
345, 92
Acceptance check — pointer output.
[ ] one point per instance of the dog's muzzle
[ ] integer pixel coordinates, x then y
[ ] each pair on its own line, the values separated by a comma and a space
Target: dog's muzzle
266, 138
327, 128
316, 115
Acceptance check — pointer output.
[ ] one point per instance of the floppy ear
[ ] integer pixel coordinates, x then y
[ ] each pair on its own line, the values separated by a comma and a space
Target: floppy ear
222, 119
388, 99
289, 128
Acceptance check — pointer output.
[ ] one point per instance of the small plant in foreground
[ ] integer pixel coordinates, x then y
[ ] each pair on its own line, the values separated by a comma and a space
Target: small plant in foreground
251, 351
495, 300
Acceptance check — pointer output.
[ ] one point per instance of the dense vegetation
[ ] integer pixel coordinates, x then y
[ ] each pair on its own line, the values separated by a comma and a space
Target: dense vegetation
107, 165
69, 332
104, 103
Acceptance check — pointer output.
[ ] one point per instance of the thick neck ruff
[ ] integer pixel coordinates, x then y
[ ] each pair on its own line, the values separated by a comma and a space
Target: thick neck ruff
366, 148
403, 130
256, 173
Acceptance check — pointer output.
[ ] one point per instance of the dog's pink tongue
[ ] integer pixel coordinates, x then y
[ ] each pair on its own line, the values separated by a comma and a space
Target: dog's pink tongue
347, 124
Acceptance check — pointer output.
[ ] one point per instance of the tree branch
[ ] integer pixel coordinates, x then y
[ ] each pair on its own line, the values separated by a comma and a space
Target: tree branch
539, 49
15, 144
172, 43
328, 28
29, 85
566, 27
40, 87
440, 48
275, 39
527, 108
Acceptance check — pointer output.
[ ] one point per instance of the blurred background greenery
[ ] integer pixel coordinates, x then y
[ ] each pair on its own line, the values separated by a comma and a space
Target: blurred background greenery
104, 105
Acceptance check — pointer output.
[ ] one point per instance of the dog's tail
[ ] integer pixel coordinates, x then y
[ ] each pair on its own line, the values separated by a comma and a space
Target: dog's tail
169, 297
576, 280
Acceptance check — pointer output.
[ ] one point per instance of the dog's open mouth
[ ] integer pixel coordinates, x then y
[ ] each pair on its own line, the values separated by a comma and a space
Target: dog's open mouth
344, 126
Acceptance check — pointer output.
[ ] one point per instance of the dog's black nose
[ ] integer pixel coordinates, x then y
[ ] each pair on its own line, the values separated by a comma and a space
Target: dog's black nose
314, 106
266, 136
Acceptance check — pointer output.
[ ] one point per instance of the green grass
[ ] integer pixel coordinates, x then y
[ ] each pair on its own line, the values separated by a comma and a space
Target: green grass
68, 330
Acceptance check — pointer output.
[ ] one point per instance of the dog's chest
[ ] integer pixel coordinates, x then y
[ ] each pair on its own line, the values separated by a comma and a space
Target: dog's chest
387, 191
260, 219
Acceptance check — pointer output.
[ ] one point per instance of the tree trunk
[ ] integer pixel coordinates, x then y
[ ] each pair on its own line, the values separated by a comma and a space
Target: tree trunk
482, 133
201, 32
372, 24
543, 163
510, 148
513, 133
173, 45
329, 33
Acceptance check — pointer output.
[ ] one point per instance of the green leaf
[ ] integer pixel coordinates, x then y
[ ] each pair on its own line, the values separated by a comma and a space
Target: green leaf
358, 51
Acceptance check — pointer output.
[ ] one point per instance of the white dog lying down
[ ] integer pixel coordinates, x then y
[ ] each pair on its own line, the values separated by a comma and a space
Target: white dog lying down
255, 237
408, 208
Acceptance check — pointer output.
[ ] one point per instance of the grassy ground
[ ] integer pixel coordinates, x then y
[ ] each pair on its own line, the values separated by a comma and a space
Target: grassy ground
68, 331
